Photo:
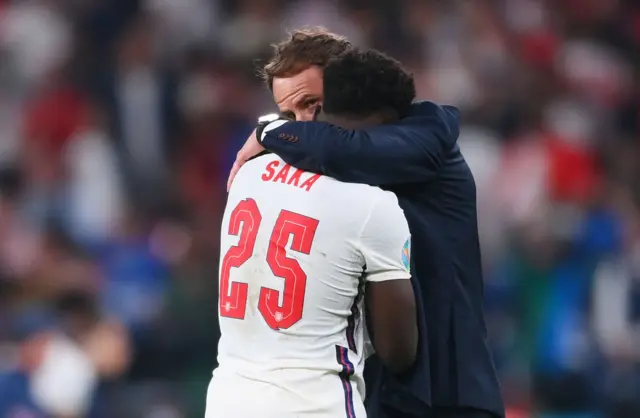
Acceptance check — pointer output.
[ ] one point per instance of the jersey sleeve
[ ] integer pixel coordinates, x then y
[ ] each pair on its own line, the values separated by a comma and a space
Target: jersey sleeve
385, 242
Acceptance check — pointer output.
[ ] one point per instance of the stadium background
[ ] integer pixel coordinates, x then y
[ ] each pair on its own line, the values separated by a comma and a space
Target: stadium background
119, 121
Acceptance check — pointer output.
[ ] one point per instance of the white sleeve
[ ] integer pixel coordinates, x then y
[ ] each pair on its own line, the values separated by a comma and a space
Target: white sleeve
385, 242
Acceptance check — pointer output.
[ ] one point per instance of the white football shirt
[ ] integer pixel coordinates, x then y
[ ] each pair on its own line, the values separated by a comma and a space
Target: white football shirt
296, 250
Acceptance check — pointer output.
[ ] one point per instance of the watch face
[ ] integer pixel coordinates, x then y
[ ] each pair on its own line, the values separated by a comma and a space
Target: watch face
271, 117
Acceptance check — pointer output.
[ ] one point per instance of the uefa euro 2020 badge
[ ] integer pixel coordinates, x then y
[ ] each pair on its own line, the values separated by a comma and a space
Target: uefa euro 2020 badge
406, 254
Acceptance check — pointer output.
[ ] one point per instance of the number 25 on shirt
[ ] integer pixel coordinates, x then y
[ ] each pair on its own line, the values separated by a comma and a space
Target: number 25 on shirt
244, 222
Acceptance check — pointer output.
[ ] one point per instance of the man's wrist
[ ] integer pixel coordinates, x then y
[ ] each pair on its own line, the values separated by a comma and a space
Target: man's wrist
267, 123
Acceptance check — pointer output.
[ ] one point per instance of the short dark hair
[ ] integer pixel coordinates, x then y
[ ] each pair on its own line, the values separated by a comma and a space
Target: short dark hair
314, 46
360, 83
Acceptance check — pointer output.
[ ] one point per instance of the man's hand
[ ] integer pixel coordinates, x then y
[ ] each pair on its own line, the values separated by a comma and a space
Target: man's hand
249, 149
253, 147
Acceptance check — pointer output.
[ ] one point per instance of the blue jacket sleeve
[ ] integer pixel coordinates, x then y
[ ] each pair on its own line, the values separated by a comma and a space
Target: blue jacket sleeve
411, 150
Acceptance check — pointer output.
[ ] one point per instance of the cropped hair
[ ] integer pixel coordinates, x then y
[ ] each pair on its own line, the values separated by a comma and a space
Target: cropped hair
359, 83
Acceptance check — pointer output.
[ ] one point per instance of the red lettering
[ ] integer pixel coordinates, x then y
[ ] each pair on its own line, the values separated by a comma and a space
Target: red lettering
271, 170
310, 182
283, 174
244, 222
295, 178
302, 230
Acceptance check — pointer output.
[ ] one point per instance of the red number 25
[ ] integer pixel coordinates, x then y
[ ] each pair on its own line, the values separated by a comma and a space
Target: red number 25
233, 295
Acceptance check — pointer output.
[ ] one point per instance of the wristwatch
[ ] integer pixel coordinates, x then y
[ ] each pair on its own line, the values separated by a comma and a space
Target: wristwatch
268, 122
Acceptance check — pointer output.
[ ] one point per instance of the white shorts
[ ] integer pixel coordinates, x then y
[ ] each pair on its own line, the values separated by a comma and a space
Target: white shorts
235, 397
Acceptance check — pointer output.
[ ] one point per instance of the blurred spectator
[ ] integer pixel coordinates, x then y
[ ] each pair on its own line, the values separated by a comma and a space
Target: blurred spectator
141, 103
95, 205
37, 36
255, 24
60, 363
183, 23
52, 117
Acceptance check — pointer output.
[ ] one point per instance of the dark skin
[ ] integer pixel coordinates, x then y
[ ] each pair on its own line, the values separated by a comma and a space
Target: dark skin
391, 321
390, 305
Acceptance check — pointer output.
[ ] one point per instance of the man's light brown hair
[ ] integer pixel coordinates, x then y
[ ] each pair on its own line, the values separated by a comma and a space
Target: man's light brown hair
303, 48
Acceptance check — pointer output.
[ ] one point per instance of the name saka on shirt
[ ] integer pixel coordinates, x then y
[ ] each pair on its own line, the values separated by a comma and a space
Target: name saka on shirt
289, 175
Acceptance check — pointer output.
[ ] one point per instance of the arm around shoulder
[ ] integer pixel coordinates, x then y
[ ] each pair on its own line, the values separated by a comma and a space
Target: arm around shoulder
408, 151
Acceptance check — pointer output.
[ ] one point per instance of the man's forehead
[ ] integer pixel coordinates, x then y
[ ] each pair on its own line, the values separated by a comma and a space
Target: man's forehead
288, 90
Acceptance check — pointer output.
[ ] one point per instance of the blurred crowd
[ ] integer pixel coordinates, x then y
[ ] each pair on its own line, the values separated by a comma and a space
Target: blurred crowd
119, 121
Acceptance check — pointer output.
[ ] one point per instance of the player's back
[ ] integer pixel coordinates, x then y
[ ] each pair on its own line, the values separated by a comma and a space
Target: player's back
291, 294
